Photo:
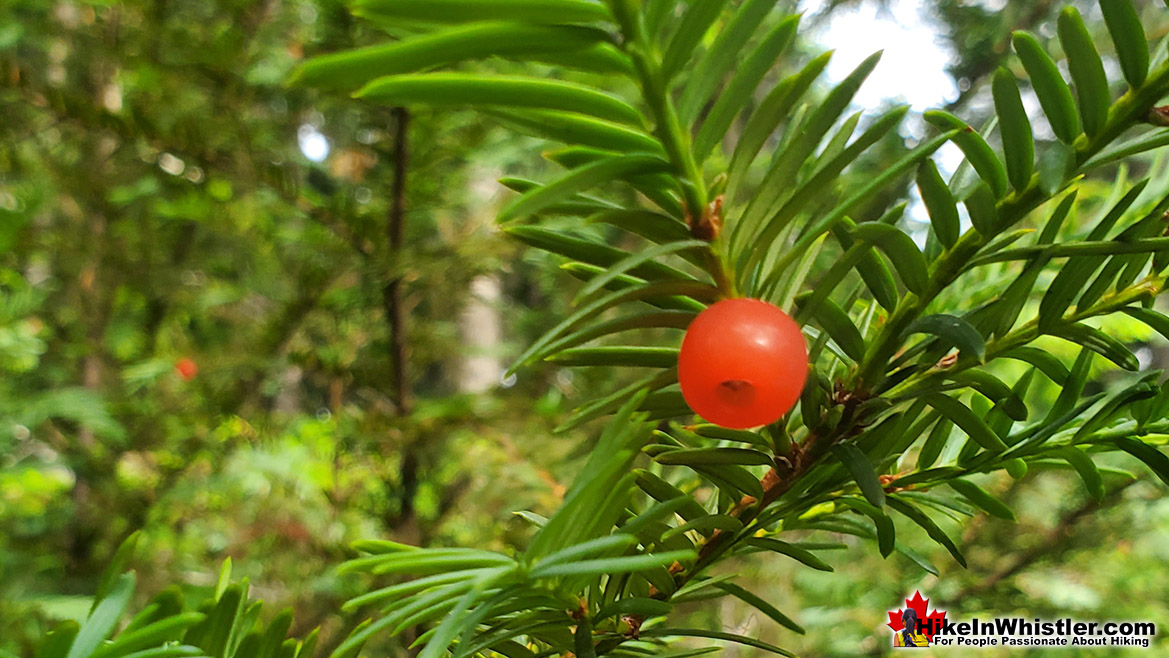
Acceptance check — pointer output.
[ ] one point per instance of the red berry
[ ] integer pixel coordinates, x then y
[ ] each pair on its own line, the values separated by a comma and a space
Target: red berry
743, 363
187, 368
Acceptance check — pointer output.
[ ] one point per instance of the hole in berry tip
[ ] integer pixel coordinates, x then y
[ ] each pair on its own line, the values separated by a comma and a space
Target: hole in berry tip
736, 393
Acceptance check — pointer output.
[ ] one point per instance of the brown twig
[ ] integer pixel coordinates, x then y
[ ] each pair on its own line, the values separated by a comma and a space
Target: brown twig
1159, 116
1054, 540
786, 472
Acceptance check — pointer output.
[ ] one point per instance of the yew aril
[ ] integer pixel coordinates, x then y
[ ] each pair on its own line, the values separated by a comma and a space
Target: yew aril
743, 363
187, 368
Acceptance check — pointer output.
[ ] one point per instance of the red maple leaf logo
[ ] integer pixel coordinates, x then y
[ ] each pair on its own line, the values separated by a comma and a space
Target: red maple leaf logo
930, 622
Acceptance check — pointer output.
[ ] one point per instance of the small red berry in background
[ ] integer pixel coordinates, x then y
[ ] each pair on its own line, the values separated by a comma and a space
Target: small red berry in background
187, 368
743, 363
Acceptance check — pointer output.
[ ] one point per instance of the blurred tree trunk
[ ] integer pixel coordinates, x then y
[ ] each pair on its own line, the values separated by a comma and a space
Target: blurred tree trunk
396, 237
481, 329
404, 522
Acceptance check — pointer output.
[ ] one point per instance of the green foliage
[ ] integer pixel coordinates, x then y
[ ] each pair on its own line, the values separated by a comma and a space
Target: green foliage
155, 206
225, 625
763, 213
701, 158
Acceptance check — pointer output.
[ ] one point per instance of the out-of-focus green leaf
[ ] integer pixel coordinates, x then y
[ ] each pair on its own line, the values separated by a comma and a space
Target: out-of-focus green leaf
1124, 150
826, 222
1055, 166
787, 162
1132, 47
559, 337
978, 153
1070, 281
981, 207
748, 74
451, 625
687, 653
116, 568
572, 128
1086, 468
458, 11
582, 637
706, 525
1015, 126
695, 23
716, 635
993, 389
1153, 319
1103, 344
598, 546
762, 606
589, 251
633, 260
650, 225
964, 418
721, 58
1087, 70
981, 499
104, 617
1072, 387
954, 331
812, 187
1017, 294
939, 203
703, 456
772, 111
614, 565
352, 68
474, 89
417, 562
903, 253
1152, 457
585, 272
643, 607
862, 472
57, 642
1046, 362
385, 594
742, 436
1054, 94
936, 533
918, 559
663, 491
838, 325
579, 180
156, 634
801, 555
874, 272
935, 442
886, 531
621, 356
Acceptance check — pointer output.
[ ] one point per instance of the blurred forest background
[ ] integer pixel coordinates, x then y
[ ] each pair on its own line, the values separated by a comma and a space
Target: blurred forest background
213, 330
